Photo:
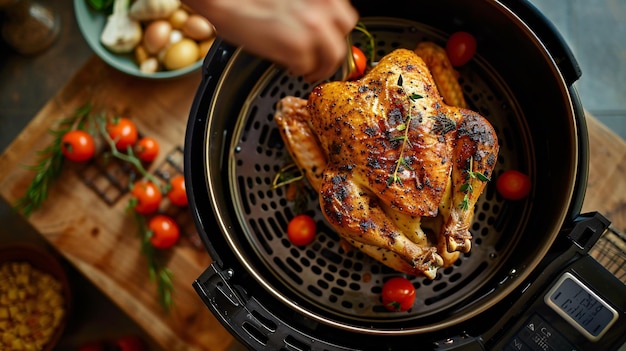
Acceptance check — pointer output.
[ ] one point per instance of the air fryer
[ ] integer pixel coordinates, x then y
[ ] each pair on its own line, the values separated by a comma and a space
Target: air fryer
273, 295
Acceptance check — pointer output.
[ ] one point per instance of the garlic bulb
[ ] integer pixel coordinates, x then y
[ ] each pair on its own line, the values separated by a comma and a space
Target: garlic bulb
145, 10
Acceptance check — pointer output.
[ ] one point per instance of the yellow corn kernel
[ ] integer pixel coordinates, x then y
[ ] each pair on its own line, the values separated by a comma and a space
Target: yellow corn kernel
31, 290
56, 301
12, 294
19, 317
17, 345
45, 320
445, 76
47, 332
4, 300
23, 330
13, 311
4, 313
8, 337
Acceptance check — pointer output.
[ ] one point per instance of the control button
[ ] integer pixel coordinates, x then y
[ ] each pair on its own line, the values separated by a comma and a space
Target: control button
537, 335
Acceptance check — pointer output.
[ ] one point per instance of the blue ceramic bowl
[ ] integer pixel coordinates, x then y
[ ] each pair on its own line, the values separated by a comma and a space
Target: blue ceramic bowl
91, 24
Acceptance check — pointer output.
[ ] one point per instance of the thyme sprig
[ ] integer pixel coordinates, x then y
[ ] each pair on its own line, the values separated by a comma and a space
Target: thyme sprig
403, 127
291, 177
467, 187
286, 175
49, 164
443, 124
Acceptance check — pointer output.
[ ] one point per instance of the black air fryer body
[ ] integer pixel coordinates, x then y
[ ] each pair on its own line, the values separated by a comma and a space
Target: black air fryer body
526, 255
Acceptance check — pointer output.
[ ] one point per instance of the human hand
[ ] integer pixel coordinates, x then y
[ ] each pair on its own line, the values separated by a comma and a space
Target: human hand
307, 37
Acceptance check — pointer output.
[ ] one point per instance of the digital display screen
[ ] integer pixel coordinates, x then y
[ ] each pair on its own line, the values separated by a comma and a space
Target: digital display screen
581, 307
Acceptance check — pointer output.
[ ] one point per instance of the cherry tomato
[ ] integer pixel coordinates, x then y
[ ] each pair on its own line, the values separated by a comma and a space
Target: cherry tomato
513, 185
147, 196
77, 145
360, 60
461, 47
123, 132
177, 194
165, 231
398, 294
301, 230
147, 149
129, 343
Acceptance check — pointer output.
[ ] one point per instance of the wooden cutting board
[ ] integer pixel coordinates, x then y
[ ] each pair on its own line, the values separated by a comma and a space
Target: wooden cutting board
100, 240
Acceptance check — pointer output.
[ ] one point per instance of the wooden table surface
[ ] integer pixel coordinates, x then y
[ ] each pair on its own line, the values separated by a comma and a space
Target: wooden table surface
100, 238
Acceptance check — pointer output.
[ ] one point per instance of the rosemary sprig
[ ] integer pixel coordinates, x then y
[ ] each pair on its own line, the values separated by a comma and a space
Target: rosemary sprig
467, 187
156, 269
49, 164
404, 126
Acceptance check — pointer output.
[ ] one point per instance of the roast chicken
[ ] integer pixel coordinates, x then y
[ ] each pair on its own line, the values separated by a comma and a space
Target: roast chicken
397, 170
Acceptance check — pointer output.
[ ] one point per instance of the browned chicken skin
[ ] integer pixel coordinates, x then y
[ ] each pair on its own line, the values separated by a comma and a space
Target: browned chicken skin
388, 157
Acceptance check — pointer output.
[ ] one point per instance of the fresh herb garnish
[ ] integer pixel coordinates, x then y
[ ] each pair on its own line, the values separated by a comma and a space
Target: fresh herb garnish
50, 164
286, 175
403, 127
467, 187
443, 124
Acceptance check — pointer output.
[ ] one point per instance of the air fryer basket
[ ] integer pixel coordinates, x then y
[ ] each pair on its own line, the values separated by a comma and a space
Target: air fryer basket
234, 150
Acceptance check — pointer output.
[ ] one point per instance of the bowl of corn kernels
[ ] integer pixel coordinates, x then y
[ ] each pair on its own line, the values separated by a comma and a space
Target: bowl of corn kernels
34, 298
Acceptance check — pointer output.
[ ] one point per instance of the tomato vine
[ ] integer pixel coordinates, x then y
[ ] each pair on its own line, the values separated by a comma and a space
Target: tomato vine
50, 164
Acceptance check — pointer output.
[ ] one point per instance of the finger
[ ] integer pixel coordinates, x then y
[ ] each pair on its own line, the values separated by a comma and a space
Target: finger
330, 50
346, 16
330, 54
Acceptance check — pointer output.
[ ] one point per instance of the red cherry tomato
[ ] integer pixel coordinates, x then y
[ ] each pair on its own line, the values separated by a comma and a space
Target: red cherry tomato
147, 149
123, 132
360, 60
77, 145
398, 294
301, 230
513, 185
177, 194
147, 196
165, 231
130, 343
461, 47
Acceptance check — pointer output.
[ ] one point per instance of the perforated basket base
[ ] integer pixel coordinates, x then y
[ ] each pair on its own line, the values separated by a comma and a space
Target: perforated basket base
347, 285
